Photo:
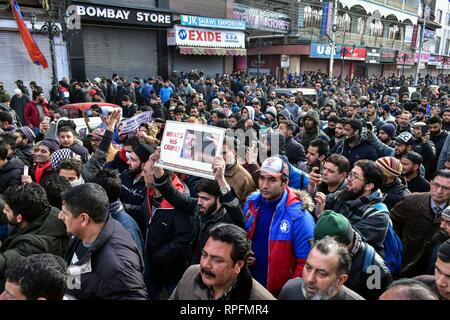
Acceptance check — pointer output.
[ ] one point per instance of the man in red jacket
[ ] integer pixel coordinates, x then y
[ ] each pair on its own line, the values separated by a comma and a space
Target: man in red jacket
35, 111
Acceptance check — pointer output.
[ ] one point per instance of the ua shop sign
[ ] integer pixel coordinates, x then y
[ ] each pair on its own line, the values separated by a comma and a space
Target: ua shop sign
341, 52
186, 36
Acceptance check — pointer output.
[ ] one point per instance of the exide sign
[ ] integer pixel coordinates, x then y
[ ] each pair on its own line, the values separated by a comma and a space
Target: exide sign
195, 35
187, 36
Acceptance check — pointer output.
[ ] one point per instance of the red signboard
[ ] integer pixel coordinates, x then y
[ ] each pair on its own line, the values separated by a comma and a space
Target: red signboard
354, 54
406, 58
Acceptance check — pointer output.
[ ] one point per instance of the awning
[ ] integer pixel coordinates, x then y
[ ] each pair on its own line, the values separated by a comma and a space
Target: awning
213, 51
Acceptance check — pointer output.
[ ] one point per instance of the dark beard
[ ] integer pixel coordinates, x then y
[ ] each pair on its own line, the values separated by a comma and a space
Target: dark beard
134, 172
211, 209
351, 195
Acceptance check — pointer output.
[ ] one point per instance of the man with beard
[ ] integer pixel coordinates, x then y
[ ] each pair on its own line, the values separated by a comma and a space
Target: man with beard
223, 273
404, 122
37, 228
411, 162
275, 215
420, 115
339, 134
42, 165
446, 119
312, 130
236, 176
403, 144
371, 115
437, 135
326, 271
386, 134
355, 146
35, 111
216, 203
133, 184
417, 218
423, 146
294, 150
439, 238
394, 186
385, 113
361, 195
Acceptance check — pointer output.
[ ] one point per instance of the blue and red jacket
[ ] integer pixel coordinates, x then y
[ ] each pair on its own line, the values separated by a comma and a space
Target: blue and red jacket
290, 237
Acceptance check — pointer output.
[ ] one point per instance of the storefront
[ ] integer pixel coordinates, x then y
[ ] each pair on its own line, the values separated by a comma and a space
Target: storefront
348, 61
203, 49
373, 66
388, 61
405, 63
122, 40
438, 65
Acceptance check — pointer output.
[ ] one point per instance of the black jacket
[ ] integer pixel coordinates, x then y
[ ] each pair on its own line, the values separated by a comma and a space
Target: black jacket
11, 174
116, 267
25, 154
294, 151
394, 192
168, 239
428, 153
230, 212
132, 197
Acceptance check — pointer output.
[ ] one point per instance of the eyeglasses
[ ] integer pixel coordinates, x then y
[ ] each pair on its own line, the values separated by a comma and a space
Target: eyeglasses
352, 176
437, 186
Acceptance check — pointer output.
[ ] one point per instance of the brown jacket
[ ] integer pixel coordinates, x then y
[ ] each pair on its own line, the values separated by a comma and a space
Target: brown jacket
415, 223
241, 181
191, 287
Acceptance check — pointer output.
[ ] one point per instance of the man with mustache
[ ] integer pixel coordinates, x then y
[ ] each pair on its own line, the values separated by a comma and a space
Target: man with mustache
326, 270
222, 273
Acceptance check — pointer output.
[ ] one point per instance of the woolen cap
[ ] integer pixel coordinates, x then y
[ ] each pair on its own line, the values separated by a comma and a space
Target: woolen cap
52, 144
143, 151
391, 167
334, 225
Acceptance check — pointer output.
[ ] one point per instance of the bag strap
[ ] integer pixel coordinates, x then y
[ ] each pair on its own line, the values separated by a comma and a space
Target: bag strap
368, 258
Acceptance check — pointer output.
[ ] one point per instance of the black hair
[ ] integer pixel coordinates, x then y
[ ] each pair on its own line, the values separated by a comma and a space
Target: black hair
412, 289
444, 252
235, 236
434, 120
223, 123
70, 164
110, 181
372, 172
29, 200
54, 185
355, 124
131, 141
321, 145
444, 173
219, 113
334, 119
290, 125
340, 162
209, 186
9, 138
39, 276
66, 129
6, 117
89, 198
236, 115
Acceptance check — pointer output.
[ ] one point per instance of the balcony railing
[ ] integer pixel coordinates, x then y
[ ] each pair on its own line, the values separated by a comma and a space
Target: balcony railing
313, 34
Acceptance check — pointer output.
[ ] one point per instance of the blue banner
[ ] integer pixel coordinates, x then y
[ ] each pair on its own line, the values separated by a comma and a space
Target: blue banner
324, 23
320, 50
216, 23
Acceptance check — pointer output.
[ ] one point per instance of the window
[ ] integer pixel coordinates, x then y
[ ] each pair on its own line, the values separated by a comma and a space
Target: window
394, 32
437, 45
438, 16
313, 18
361, 23
344, 22
448, 19
376, 28
447, 45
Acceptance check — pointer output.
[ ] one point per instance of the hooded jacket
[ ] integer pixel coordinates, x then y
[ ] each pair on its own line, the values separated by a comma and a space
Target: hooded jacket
251, 112
315, 133
24, 153
364, 150
395, 192
11, 174
46, 234
291, 233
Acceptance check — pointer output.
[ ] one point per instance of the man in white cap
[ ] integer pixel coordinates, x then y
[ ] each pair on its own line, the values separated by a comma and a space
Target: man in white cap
18, 103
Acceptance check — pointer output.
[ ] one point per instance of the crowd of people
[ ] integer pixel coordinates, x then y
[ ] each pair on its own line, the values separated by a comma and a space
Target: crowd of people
340, 196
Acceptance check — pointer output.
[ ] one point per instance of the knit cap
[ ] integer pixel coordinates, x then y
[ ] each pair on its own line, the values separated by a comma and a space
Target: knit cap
389, 129
334, 225
391, 167
60, 154
27, 132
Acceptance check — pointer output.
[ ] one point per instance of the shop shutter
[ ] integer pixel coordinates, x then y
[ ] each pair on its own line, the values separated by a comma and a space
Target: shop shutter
16, 63
127, 52
209, 64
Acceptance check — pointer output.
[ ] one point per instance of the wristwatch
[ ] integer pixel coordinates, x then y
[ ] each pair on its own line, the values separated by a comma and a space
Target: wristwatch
224, 190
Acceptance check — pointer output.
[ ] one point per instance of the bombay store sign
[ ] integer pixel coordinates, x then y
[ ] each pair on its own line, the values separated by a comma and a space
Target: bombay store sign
210, 38
106, 14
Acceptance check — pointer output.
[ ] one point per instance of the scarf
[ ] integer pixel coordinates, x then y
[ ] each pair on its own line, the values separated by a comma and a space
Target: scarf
40, 169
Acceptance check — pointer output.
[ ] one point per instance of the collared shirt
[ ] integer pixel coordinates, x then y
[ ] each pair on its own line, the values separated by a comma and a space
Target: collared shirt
225, 296
437, 210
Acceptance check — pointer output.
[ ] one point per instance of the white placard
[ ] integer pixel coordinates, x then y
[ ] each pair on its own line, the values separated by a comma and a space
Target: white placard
133, 123
190, 148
